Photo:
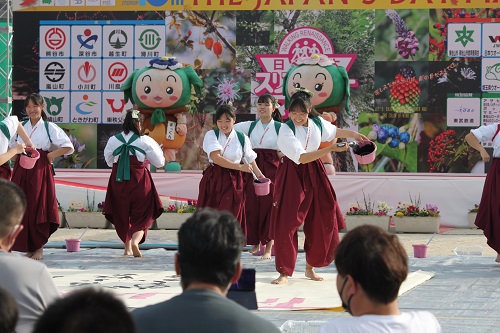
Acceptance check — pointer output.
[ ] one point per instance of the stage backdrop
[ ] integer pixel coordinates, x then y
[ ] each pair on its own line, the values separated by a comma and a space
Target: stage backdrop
421, 75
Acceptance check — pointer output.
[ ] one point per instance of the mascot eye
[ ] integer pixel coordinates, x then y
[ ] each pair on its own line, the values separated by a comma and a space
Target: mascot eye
170, 90
296, 85
318, 86
147, 89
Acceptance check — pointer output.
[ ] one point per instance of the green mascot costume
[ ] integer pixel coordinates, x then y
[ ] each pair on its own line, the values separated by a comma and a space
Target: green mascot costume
328, 82
161, 92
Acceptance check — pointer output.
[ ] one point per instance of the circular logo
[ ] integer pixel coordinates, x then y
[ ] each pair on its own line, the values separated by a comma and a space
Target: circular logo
117, 72
55, 38
117, 39
54, 71
150, 39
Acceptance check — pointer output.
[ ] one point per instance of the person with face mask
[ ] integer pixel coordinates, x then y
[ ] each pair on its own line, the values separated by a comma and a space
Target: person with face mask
372, 264
29, 282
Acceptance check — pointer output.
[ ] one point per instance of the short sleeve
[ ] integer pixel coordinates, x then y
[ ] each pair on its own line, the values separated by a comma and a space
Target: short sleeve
289, 145
249, 154
211, 143
329, 130
485, 133
244, 127
60, 138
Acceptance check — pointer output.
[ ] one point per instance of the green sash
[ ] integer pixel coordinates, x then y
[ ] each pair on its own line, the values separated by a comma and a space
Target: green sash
315, 120
277, 126
5, 130
124, 151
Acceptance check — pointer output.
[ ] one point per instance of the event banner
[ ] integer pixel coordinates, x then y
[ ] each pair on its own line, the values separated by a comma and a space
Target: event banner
420, 79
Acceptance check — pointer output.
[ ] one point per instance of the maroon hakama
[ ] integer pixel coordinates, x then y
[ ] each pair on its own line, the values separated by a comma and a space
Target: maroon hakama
132, 205
41, 218
222, 189
5, 171
488, 215
258, 208
304, 194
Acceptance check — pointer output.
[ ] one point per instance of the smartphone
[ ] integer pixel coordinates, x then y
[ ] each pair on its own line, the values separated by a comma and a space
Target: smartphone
246, 282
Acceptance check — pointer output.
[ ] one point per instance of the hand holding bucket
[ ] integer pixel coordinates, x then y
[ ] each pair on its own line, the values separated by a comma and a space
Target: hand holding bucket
364, 151
29, 158
262, 186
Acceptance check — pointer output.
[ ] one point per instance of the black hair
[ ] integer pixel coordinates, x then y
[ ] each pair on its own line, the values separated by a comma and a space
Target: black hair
131, 124
267, 97
301, 101
12, 206
210, 245
38, 100
225, 109
375, 259
86, 310
9, 312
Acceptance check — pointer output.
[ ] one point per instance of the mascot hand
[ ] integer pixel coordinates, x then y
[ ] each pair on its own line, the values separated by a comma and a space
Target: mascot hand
329, 116
181, 129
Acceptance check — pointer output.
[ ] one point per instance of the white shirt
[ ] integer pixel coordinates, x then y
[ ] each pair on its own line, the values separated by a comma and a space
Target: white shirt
406, 322
305, 140
12, 123
264, 138
485, 133
154, 153
38, 135
229, 147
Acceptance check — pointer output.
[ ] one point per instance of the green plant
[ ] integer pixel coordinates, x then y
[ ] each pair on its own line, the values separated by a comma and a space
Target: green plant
412, 208
183, 207
368, 207
89, 205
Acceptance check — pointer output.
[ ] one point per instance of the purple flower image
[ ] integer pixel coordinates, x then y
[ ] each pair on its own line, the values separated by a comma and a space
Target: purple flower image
407, 42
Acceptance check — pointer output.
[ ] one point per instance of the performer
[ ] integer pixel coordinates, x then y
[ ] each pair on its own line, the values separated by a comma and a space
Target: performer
221, 186
42, 217
488, 214
132, 202
263, 134
10, 128
303, 192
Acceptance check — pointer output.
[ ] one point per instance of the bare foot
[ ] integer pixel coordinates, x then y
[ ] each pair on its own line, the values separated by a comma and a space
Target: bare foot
269, 249
128, 249
254, 249
266, 256
310, 273
281, 280
29, 254
498, 258
38, 254
135, 249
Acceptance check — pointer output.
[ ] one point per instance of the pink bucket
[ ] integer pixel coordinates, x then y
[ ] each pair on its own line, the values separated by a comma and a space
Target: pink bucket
262, 187
420, 250
365, 152
73, 245
28, 161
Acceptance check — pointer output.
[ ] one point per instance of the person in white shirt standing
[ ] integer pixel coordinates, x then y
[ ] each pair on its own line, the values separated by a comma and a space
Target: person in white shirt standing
371, 265
132, 202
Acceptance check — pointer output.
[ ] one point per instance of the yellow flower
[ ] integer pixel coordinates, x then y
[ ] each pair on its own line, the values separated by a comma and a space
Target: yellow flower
180, 211
399, 214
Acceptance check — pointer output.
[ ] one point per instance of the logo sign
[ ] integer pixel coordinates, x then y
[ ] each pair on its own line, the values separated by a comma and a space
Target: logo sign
57, 105
86, 74
54, 71
86, 42
113, 105
54, 41
54, 105
299, 42
85, 107
118, 42
115, 73
491, 40
464, 40
150, 41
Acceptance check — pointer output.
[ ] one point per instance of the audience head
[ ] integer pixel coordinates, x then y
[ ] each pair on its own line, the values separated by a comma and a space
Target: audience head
210, 245
131, 121
301, 102
36, 100
9, 313
87, 310
374, 259
12, 207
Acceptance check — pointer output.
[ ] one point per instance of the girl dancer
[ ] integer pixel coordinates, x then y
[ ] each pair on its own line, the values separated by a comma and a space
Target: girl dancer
132, 202
10, 128
41, 218
222, 186
488, 214
263, 134
303, 192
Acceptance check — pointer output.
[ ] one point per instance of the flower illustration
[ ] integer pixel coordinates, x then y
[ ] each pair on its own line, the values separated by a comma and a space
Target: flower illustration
468, 73
227, 91
407, 42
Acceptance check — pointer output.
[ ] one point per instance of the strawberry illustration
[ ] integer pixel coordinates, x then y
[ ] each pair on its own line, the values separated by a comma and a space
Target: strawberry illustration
405, 91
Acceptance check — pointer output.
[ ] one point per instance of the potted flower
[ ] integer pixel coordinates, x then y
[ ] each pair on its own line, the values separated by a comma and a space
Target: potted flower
174, 214
82, 214
472, 216
410, 217
366, 214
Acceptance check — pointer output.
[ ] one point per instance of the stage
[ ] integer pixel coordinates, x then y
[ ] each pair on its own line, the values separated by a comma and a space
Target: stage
454, 194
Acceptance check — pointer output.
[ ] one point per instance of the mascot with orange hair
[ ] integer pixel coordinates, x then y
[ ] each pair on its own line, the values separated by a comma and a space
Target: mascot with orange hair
330, 85
161, 92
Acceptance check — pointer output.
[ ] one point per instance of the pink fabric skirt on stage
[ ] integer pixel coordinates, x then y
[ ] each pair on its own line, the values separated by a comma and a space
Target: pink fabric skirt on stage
258, 208
132, 205
5, 171
222, 189
42, 217
304, 194
488, 215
